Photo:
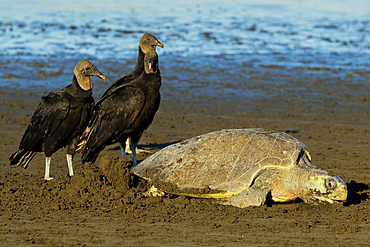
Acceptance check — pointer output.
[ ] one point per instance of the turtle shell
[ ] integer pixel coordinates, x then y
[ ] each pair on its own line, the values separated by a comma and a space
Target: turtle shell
220, 164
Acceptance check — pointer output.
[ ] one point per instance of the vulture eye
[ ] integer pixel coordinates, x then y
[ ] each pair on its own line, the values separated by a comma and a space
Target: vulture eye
330, 184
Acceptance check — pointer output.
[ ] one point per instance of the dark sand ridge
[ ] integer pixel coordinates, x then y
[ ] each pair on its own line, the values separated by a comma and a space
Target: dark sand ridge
102, 204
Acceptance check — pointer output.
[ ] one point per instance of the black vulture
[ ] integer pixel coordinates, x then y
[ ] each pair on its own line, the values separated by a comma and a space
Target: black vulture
59, 120
124, 113
148, 42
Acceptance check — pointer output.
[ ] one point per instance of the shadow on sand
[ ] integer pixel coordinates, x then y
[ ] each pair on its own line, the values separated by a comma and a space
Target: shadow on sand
354, 193
149, 147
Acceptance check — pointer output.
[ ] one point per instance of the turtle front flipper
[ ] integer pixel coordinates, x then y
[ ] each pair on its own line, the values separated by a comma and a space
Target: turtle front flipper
248, 197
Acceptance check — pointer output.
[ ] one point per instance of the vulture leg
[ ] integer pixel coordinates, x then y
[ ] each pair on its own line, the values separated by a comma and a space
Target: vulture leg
133, 146
123, 150
70, 167
138, 150
127, 146
47, 169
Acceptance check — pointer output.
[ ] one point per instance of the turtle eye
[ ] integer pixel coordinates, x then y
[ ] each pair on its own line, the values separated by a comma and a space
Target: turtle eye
330, 183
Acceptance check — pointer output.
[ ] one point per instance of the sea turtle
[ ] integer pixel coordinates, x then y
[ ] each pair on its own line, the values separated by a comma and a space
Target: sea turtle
241, 167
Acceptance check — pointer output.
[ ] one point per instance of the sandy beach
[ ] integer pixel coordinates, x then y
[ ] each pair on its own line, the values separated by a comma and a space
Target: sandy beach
102, 205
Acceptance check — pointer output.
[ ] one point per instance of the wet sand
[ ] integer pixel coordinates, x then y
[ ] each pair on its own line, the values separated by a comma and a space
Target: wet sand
102, 205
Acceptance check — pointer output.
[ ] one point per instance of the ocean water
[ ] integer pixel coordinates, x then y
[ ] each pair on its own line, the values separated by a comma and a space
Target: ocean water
330, 34
111, 29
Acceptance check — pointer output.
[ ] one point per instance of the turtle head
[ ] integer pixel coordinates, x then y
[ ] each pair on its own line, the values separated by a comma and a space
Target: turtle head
322, 187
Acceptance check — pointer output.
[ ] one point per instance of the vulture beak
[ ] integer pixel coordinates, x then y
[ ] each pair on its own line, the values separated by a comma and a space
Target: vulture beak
100, 75
160, 44
103, 77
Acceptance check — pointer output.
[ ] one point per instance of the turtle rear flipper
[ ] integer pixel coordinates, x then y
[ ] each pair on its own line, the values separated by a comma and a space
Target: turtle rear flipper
248, 197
